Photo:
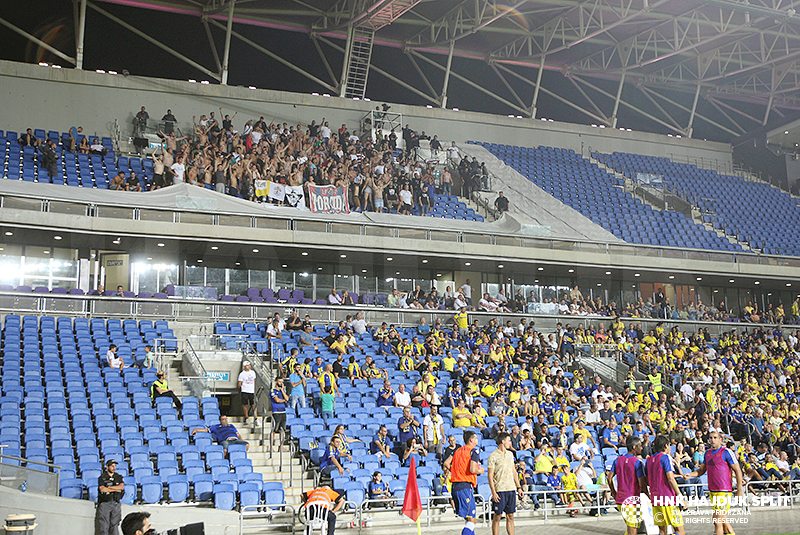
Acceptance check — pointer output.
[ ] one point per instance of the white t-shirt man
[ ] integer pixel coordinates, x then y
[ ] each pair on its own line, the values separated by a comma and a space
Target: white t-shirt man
687, 392
579, 450
248, 380
402, 399
406, 197
431, 426
325, 132
114, 360
359, 326
584, 476
179, 169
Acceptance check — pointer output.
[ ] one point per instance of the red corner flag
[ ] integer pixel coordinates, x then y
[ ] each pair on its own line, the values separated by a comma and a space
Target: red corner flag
412, 505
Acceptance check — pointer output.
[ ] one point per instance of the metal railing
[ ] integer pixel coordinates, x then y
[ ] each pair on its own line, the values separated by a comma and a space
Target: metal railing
305, 222
350, 508
268, 512
213, 311
24, 475
198, 384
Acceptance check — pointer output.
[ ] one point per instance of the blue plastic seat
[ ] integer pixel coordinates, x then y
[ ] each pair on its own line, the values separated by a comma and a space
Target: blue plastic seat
224, 496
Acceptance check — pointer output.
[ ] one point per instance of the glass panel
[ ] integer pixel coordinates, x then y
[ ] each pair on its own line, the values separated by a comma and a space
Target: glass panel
67, 208
307, 226
304, 281
22, 204
195, 275
444, 236
10, 271
167, 274
216, 277
478, 238
259, 278
33, 283
508, 240
148, 277
165, 216
367, 285
384, 232
691, 255
284, 279
341, 228
235, 221
116, 213
385, 286
36, 267
548, 292
65, 268
405, 285
415, 234
324, 284
193, 217
238, 283
592, 247
281, 224
342, 282
65, 283
565, 245
35, 477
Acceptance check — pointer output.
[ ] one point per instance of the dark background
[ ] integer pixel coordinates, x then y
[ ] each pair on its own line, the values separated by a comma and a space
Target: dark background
108, 46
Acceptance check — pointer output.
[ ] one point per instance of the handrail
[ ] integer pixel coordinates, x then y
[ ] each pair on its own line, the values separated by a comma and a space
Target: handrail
293, 219
56, 469
404, 316
204, 382
268, 511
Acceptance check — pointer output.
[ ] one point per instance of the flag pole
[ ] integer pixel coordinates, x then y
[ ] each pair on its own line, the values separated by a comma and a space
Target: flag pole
419, 529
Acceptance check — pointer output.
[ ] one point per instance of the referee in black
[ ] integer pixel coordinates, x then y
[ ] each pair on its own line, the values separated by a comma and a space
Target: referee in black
110, 491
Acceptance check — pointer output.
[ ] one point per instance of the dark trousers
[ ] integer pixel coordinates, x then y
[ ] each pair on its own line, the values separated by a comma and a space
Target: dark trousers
109, 515
171, 394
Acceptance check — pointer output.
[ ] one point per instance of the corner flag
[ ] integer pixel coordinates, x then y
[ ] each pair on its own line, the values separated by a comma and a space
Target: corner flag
412, 505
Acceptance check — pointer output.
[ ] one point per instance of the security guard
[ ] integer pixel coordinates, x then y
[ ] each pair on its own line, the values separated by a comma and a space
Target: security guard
159, 389
110, 491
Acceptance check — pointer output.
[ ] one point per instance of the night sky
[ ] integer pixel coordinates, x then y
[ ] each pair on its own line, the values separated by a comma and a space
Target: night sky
108, 46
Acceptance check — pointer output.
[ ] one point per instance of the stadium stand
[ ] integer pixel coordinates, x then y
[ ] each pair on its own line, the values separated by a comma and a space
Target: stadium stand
752, 212
61, 405
97, 168
598, 195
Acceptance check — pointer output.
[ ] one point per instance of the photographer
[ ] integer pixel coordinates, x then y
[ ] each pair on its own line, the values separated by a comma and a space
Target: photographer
137, 524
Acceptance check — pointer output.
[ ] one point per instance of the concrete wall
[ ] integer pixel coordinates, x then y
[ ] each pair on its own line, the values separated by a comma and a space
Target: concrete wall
64, 515
44, 97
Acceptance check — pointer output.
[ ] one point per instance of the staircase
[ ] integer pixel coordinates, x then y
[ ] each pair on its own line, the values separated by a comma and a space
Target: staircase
695, 214
358, 58
272, 468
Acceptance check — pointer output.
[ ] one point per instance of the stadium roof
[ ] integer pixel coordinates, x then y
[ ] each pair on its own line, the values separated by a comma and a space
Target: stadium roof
726, 66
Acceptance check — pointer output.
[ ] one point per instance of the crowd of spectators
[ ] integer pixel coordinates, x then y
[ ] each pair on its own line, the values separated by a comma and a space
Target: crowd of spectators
377, 175
517, 380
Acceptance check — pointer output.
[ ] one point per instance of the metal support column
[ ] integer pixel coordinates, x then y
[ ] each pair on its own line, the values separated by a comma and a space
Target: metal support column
80, 35
447, 74
689, 128
769, 107
348, 46
536, 89
617, 98
226, 54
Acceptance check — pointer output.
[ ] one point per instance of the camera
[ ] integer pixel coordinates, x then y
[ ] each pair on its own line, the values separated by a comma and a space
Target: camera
189, 529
